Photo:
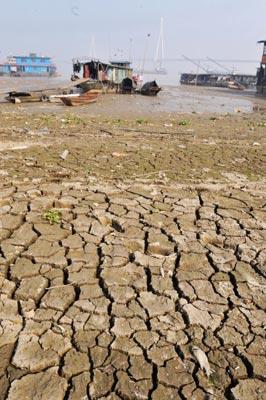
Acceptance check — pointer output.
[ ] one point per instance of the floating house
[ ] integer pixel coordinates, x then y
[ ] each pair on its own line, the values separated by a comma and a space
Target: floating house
31, 65
261, 74
101, 73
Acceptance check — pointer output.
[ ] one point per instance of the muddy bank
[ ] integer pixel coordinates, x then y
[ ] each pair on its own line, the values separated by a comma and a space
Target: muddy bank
187, 148
172, 99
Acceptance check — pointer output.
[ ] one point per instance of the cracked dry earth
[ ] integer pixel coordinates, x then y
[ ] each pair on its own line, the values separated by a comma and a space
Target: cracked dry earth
108, 303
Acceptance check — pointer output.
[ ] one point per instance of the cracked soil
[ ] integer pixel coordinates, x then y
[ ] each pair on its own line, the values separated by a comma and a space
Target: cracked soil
160, 246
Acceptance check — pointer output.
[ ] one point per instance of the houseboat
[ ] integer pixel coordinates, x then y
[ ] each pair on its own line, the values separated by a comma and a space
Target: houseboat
101, 75
234, 81
31, 65
261, 73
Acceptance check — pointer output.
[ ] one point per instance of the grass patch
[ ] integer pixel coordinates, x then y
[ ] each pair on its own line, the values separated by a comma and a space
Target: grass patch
70, 119
184, 122
52, 216
141, 121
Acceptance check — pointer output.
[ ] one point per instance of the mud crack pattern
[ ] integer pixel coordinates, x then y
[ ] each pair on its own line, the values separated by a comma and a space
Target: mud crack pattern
108, 303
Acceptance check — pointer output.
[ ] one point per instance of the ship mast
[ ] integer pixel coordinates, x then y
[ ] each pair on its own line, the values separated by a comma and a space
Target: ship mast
159, 56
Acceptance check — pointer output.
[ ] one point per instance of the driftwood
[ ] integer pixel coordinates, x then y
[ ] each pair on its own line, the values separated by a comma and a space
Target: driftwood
106, 131
152, 132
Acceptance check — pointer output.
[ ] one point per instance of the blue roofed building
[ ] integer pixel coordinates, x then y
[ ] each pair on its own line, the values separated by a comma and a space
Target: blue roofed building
31, 65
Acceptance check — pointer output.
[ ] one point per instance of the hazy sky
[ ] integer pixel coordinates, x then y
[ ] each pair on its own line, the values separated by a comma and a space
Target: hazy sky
225, 29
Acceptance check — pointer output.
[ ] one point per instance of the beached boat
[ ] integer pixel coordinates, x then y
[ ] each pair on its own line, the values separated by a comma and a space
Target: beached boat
231, 81
43, 94
261, 72
32, 96
81, 99
104, 76
149, 89
128, 86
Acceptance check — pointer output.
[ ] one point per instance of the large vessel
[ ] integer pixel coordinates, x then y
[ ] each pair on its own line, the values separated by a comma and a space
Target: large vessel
233, 81
261, 74
31, 65
100, 74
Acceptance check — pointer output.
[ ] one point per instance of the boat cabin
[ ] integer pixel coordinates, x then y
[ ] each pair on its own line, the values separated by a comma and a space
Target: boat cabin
261, 73
113, 72
30, 65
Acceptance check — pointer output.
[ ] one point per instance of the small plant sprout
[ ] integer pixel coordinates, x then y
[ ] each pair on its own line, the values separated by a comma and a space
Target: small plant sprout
52, 216
184, 122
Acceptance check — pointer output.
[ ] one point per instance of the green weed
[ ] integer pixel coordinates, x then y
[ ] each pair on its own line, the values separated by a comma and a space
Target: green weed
141, 121
184, 122
52, 216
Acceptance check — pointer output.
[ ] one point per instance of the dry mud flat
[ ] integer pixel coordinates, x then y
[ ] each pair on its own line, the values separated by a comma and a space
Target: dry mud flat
157, 246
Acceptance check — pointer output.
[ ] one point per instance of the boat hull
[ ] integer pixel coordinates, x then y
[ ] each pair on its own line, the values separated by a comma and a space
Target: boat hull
87, 98
149, 89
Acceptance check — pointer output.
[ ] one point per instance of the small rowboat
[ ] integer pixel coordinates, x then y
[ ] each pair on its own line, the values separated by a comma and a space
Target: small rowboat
85, 98
149, 89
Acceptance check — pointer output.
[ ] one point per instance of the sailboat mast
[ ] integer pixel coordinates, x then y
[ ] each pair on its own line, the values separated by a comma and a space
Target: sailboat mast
162, 45
159, 50
159, 56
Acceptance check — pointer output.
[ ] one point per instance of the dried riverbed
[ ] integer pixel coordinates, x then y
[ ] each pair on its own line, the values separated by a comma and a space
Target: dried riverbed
124, 243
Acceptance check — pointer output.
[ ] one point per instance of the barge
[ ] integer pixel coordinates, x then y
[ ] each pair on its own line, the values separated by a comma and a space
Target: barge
101, 75
231, 81
30, 66
261, 73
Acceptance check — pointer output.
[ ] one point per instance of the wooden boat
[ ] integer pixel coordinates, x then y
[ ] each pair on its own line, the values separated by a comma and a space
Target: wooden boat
101, 75
235, 85
127, 86
86, 98
43, 94
149, 89
25, 97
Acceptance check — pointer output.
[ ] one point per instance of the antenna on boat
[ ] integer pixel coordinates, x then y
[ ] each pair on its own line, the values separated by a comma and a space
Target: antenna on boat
220, 65
145, 54
130, 50
198, 64
93, 48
